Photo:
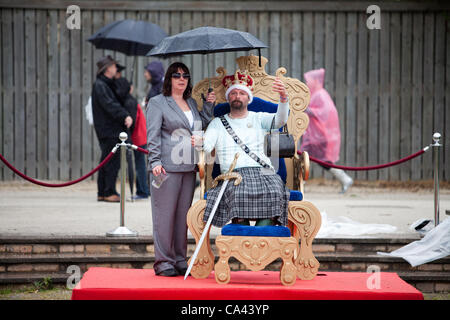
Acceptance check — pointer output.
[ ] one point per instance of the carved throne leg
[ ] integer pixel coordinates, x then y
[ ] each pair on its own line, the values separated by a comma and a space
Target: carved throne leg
288, 270
204, 263
307, 220
222, 269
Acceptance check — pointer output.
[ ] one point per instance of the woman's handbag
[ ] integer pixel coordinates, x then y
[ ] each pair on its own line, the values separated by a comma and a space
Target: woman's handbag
281, 141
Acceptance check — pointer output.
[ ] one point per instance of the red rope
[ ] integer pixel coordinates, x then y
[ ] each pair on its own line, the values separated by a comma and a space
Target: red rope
381, 166
141, 150
51, 185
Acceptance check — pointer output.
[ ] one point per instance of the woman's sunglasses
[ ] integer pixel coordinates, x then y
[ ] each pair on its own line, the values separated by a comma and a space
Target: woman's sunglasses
178, 75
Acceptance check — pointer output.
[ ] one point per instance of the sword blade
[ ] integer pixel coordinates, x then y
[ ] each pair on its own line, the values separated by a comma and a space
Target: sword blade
205, 230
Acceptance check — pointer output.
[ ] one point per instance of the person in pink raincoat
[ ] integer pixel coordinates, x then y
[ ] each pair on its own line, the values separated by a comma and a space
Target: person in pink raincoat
322, 138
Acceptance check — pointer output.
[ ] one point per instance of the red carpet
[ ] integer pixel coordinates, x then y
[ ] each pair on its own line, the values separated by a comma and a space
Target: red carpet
142, 284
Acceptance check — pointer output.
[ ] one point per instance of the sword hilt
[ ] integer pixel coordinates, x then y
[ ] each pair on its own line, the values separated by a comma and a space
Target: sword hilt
229, 174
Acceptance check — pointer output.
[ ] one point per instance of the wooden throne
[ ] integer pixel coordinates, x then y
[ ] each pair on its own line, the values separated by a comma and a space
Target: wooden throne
304, 218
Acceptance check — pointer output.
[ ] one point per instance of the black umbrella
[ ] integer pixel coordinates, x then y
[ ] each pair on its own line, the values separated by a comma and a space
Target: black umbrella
206, 40
131, 37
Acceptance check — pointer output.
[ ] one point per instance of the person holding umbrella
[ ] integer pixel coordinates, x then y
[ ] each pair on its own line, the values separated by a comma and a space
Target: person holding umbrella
172, 118
110, 119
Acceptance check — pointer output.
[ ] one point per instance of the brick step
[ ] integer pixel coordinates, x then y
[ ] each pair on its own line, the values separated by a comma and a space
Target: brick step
98, 244
28, 277
328, 261
427, 282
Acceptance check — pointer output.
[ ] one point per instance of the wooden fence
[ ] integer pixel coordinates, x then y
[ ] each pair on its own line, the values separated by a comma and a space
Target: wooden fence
391, 86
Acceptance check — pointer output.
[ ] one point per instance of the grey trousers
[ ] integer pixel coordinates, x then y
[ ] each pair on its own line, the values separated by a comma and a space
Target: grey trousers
170, 204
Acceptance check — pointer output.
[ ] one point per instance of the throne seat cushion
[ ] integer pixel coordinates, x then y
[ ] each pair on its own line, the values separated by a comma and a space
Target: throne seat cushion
294, 195
254, 231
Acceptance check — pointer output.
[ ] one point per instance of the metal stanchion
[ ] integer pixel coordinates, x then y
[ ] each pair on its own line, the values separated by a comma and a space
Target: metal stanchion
436, 145
122, 231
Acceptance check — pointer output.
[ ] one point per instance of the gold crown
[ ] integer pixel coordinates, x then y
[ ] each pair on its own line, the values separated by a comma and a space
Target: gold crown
242, 78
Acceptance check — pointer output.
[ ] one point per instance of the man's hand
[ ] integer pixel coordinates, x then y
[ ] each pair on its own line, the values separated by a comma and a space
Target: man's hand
196, 141
211, 97
128, 121
279, 87
157, 170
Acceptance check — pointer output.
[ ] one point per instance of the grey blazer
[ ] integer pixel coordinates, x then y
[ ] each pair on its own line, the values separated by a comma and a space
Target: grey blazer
169, 133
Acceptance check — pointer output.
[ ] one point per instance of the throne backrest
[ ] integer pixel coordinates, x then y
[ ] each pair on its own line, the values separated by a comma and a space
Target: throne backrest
298, 99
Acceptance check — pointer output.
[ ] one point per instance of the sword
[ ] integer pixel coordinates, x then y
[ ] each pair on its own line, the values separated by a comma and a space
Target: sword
226, 177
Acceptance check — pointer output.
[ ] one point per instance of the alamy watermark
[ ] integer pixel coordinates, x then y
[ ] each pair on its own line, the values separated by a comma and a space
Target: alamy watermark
374, 20
73, 20
374, 280
74, 278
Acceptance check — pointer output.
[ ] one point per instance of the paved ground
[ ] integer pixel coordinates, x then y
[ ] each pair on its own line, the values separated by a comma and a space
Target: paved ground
27, 209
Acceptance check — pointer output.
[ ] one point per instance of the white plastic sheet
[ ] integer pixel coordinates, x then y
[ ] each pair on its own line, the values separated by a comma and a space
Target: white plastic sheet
343, 226
435, 245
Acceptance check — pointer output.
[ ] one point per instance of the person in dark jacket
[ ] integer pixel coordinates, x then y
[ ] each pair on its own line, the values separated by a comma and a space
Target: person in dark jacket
110, 119
123, 90
154, 74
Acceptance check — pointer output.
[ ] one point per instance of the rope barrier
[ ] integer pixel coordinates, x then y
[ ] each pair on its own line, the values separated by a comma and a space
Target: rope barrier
57, 185
323, 163
139, 149
381, 166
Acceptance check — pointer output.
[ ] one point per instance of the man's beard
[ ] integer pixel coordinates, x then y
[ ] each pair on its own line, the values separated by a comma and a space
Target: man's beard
237, 105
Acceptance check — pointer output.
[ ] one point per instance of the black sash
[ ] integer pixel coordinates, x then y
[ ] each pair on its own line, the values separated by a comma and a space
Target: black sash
241, 144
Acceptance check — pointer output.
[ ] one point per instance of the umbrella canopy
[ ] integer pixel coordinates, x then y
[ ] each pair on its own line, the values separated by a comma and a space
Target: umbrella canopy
134, 38
205, 40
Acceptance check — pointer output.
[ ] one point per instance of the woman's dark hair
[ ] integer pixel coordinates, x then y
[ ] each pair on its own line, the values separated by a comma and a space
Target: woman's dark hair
167, 86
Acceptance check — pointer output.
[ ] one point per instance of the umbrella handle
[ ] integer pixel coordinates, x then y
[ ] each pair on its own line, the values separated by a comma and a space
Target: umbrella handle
209, 91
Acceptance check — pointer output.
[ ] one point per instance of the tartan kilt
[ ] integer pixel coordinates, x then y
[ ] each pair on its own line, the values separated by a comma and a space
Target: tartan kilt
258, 196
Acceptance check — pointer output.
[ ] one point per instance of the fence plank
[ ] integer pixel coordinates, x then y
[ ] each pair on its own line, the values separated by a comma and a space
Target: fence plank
219, 58
395, 107
405, 125
439, 83
417, 92
197, 66
274, 38
97, 23
296, 47
75, 103
428, 91
42, 89
64, 101
87, 162
130, 61
230, 57
383, 145
208, 59
19, 98
2, 167
285, 45
8, 85
361, 143
330, 40
340, 80
319, 37
446, 140
350, 100
186, 24
53, 97
307, 42
373, 95
263, 34
30, 93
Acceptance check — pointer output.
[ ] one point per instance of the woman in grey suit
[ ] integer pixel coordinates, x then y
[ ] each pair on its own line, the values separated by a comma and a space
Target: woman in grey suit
171, 119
